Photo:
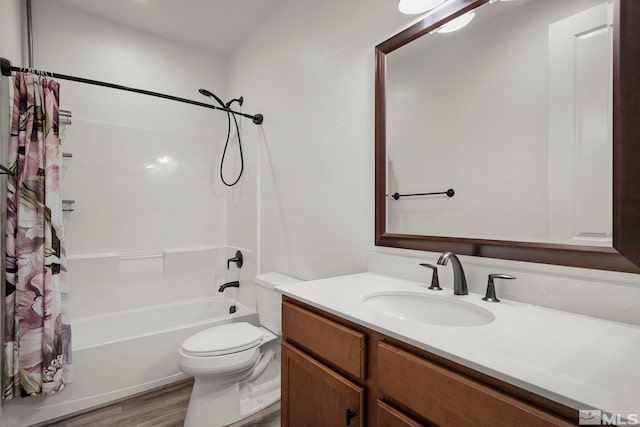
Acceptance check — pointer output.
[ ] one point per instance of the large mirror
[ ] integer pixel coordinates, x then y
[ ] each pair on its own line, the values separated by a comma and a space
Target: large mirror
501, 132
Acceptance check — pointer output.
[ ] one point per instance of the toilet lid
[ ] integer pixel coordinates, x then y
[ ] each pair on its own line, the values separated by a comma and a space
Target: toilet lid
223, 339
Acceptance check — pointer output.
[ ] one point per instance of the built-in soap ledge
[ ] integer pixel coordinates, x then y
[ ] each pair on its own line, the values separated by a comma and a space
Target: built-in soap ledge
179, 261
112, 267
144, 265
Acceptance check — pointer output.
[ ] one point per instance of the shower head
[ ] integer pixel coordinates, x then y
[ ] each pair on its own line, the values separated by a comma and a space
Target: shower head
212, 95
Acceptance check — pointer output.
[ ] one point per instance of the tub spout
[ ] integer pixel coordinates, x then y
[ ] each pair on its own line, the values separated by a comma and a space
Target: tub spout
234, 284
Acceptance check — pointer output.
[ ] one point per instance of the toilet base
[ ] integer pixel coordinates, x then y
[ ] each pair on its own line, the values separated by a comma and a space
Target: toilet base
220, 401
255, 399
216, 405
212, 403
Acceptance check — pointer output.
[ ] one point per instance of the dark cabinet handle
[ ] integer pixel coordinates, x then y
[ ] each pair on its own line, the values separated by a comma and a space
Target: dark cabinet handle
350, 413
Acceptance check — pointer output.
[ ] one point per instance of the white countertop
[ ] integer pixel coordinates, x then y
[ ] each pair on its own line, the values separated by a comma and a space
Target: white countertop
579, 361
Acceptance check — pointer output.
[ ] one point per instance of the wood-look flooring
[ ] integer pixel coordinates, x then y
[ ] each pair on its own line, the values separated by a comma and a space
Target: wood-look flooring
163, 407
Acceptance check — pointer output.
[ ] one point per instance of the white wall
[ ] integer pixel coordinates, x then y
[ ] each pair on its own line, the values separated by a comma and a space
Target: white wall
10, 43
11, 31
309, 68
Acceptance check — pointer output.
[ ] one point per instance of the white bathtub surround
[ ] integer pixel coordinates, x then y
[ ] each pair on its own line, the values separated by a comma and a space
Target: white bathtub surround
123, 353
579, 361
148, 169
144, 166
604, 294
116, 282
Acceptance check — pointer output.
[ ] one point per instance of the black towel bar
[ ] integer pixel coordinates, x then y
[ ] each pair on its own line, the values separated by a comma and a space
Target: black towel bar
449, 193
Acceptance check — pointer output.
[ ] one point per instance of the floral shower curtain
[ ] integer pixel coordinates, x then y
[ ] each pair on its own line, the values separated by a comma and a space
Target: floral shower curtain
37, 336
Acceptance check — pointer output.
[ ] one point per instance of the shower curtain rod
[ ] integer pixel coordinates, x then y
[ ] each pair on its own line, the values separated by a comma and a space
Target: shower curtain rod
7, 68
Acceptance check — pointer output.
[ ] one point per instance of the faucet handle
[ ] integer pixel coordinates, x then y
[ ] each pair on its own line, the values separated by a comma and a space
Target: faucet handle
491, 289
238, 259
435, 283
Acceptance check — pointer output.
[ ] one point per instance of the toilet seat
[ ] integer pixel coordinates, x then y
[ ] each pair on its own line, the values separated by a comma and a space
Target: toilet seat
223, 340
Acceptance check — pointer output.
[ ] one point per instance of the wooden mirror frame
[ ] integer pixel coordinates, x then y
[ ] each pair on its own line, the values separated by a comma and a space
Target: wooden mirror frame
625, 253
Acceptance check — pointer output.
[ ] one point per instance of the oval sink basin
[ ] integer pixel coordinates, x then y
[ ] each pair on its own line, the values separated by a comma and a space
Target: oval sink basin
422, 308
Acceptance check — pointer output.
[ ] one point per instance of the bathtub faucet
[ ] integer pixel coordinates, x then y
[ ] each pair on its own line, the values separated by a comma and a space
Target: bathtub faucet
234, 284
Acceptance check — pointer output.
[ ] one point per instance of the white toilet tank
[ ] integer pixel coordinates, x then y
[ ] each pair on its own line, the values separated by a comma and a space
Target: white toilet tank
269, 300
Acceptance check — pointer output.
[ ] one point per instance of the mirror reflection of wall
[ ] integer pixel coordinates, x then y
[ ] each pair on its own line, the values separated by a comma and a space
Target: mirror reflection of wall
514, 112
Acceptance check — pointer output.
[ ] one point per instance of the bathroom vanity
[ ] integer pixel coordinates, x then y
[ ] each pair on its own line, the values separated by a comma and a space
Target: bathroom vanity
346, 363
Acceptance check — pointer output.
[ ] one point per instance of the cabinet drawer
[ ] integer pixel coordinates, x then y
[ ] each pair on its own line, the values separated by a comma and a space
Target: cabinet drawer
390, 417
337, 345
447, 398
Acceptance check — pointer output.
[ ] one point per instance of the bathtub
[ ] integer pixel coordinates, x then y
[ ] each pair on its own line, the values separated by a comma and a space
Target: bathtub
105, 329
119, 354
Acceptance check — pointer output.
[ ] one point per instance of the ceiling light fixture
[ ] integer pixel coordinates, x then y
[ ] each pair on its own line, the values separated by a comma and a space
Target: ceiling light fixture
414, 7
456, 24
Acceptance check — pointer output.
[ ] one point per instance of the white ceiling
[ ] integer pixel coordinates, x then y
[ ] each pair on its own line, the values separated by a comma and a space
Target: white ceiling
217, 25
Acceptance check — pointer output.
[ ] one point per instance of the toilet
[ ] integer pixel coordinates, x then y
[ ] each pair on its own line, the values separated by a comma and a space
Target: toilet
236, 366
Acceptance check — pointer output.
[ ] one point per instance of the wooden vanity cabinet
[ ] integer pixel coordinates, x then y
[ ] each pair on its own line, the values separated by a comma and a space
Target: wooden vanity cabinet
331, 366
318, 355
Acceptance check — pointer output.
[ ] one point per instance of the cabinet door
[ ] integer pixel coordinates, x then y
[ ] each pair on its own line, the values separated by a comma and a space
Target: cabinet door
315, 396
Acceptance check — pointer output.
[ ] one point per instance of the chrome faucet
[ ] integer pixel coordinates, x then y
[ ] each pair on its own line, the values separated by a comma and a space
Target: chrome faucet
459, 281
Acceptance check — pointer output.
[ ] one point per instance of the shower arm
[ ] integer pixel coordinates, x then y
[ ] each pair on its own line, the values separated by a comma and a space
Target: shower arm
240, 101
210, 94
